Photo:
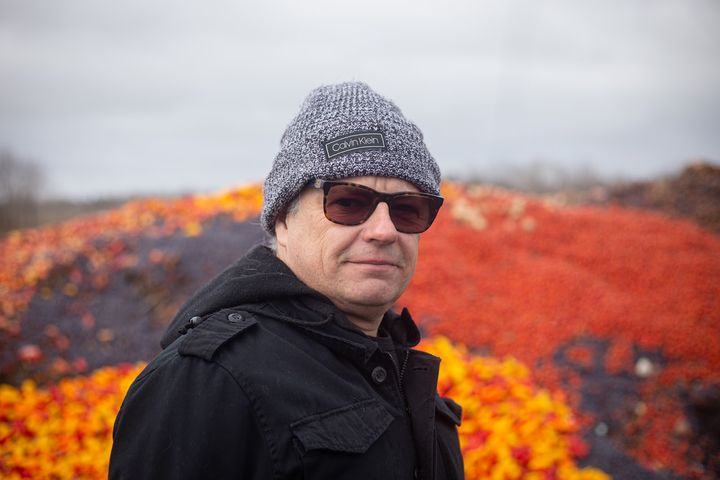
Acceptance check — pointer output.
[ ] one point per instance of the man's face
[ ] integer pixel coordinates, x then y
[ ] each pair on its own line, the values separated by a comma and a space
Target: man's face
361, 268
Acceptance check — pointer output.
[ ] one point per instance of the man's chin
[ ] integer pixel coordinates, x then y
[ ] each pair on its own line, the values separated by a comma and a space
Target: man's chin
377, 296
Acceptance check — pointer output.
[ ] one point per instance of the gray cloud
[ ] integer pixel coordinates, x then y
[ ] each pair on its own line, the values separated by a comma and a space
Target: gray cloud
157, 96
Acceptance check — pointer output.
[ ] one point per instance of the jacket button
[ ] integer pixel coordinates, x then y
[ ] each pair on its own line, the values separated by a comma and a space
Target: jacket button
195, 321
379, 374
235, 318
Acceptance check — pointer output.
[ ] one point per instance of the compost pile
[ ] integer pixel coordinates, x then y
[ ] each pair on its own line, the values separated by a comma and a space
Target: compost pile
575, 336
694, 194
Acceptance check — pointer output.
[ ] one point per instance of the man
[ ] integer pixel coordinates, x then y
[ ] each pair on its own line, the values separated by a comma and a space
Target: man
290, 364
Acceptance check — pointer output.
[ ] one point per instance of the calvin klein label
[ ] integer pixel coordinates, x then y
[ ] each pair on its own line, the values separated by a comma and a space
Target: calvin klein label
354, 143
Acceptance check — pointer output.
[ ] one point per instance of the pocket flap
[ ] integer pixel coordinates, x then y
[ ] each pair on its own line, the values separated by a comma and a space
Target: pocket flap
449, 409
352, 428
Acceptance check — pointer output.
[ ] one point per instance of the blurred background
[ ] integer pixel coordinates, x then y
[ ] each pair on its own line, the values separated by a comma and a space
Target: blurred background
596, 265
100, 101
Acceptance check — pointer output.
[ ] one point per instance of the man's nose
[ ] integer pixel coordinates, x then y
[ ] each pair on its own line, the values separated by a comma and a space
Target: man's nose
379, 227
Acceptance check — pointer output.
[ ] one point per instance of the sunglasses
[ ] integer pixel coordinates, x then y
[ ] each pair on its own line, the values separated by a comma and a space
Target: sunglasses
348, 203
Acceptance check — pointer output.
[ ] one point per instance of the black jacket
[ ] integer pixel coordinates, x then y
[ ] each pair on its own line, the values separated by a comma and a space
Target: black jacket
275, 382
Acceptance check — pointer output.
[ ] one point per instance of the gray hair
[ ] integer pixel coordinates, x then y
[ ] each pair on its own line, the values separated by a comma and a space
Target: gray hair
291, 209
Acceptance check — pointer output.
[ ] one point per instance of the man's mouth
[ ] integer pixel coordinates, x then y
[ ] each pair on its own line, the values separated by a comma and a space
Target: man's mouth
374, 262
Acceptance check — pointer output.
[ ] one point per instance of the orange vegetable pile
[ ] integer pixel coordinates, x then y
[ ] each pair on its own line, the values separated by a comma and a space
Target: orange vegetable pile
526, 275
27, 257
64, 430
511, 428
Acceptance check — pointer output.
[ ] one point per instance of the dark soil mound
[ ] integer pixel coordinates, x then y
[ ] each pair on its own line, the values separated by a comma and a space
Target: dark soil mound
694, 194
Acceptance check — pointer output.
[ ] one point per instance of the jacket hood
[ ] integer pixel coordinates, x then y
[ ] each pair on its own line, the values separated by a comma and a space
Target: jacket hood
254, 278
260, 276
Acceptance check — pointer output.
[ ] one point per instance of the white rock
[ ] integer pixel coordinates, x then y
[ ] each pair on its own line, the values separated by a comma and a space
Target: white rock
644, 367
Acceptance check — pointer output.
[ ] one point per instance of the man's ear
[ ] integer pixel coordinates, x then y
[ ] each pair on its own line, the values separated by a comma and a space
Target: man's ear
281, 231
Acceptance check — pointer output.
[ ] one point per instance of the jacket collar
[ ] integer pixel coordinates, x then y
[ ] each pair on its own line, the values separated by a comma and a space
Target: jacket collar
261, 278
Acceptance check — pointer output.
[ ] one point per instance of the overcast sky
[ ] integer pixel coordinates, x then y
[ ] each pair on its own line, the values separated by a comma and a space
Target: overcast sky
146, 96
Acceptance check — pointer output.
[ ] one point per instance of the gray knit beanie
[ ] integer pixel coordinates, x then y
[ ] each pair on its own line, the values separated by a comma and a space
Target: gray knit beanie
346, 130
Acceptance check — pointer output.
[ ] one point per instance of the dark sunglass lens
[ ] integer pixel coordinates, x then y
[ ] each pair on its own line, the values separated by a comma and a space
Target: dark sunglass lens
348, 205
411, 213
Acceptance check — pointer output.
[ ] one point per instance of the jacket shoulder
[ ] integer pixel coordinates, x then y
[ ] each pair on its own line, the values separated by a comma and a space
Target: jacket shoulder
214, 331
448, 407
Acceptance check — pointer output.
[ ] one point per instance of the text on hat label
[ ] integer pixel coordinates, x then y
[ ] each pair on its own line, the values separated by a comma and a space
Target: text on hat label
354, 143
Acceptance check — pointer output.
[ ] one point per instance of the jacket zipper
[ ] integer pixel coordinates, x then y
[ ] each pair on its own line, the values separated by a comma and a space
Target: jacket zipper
401, 375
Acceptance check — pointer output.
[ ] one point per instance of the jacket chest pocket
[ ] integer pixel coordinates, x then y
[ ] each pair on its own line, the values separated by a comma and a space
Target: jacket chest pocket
345, 442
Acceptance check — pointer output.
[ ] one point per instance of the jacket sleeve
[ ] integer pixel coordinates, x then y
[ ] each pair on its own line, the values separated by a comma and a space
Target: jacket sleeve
187, 418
